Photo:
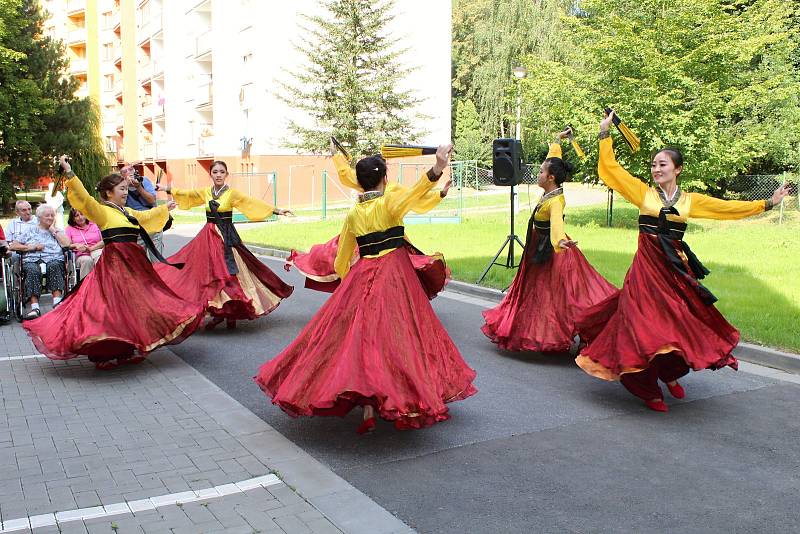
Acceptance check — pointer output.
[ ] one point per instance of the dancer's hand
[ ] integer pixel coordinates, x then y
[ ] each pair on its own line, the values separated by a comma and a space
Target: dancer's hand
567, 243
64, 164
605, 124
279, 211
780, 193
442, 158
563, 135
446, 188
171, 205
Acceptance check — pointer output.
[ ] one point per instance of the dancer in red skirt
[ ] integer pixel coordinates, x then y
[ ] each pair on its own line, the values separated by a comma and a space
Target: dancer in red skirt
376, 342
317, 265
662, 323
220, 273
121, 306
554, 282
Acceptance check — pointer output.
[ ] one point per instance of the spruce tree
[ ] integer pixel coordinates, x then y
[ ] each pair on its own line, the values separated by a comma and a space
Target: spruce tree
349, 84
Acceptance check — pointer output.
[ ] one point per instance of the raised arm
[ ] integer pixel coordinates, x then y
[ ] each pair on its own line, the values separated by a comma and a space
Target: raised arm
81, 200
187, 198
401, 203
252, 208
346, 174
617, 178
152, 220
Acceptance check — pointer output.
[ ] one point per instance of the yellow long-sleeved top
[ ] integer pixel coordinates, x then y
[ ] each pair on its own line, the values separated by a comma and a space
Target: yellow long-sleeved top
107, 217
252, 208
552, 209
347, 176
376, 215
647, 199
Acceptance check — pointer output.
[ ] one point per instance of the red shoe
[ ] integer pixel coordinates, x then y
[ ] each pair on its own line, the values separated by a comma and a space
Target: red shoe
231, 324
212, 323
367, 425
657, 405
676, 391
107, 365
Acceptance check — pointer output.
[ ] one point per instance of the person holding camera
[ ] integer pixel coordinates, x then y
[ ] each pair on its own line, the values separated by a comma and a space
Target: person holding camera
554, 281
122, 306
142, 197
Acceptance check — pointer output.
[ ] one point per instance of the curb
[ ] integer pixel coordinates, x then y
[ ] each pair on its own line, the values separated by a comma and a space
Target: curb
747, 352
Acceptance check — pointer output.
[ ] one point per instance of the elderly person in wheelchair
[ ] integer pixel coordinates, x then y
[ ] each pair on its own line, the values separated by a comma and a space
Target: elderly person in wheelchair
41, 248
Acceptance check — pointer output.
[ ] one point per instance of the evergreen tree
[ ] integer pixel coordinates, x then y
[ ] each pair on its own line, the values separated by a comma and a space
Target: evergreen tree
40, 117
348, 88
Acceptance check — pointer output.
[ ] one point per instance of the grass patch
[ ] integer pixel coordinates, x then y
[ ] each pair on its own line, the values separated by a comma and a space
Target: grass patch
758, 290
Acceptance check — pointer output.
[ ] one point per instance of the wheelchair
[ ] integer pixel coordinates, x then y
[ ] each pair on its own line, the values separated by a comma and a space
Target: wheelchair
8, 305
17, 276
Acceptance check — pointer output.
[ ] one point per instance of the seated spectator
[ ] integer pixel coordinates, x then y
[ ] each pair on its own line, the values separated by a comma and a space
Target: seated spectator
86, 241
24, 221
3, 243
42, 245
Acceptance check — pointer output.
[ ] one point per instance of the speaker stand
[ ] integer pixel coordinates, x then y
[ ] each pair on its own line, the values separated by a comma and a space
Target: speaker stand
510, 239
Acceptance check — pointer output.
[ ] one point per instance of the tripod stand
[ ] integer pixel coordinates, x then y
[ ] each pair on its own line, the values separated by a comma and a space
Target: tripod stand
510, 239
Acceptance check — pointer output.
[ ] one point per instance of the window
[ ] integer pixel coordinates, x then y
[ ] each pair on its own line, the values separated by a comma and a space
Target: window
108, 51
108, 82
108, 20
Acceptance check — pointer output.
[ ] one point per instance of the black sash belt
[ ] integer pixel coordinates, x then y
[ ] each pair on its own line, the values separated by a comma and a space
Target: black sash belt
132, 235
670, 237
539, 250
230, 237
377, 242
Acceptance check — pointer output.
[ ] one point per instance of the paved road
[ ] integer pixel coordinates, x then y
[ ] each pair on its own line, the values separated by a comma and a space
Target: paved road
543, 447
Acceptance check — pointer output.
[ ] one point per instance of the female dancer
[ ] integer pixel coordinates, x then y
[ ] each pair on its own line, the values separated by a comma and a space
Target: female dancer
376, 342
317, 265
554, 282
122, 305
662, 323
220, 273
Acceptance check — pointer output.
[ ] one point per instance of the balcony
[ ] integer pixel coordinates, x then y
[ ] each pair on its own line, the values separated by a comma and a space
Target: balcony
76, 37
204, 95
148, 151
158, 66
202, 51
75, 7
205, 146
160, 151
78, 66
156, 25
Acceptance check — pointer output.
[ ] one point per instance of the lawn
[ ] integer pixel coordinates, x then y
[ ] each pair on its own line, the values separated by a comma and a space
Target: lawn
750, 261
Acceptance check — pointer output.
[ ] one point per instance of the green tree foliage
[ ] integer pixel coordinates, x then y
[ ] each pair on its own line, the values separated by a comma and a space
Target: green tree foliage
349, 85
39, 115
470, 143
490, 37
718, 79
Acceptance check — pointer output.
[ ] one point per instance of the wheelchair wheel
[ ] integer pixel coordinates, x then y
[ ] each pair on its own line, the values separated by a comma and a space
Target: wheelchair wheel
18, 287
6, 291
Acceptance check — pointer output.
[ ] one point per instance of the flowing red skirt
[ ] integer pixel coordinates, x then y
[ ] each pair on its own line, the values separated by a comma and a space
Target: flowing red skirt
656, 312
122, 305
205, 280
377, 342
538, 312
317, 265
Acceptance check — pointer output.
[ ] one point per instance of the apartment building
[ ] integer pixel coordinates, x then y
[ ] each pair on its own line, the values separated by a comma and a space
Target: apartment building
181, 83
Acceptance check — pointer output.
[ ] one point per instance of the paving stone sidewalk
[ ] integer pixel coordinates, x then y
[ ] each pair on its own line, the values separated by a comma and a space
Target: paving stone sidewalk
154, 448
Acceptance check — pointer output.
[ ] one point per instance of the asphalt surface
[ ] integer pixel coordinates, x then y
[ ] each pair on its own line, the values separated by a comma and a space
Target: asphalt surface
542, 447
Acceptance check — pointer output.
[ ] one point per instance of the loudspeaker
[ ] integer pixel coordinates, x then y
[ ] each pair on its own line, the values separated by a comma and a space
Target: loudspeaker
506, 162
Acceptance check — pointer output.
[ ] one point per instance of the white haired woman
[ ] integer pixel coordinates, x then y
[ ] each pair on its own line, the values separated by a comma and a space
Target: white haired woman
43, 244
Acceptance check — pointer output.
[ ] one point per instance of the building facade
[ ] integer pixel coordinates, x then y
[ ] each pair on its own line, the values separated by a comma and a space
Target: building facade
181, 83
